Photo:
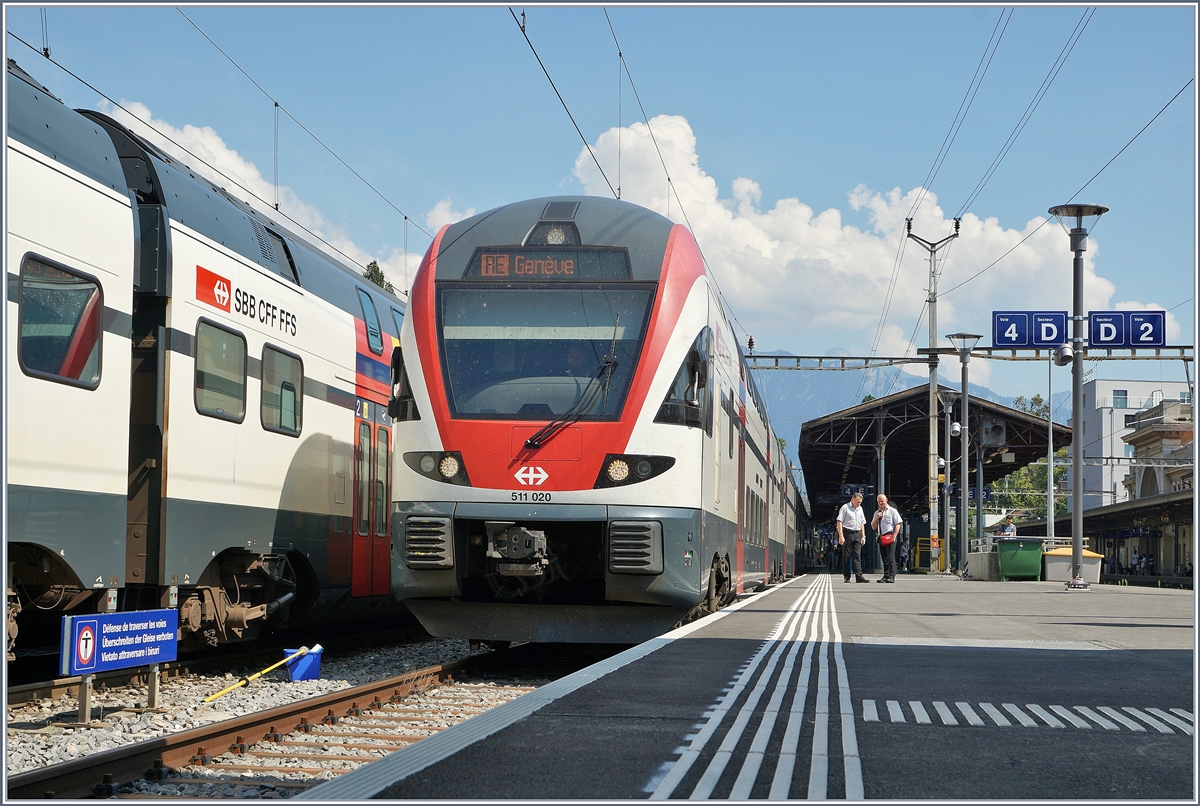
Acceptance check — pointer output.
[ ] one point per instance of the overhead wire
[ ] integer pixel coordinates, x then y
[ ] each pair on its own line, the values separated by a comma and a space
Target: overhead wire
964, 106
1067, 48
217, 171
333, 153
967, 101
1077, 192
586, 144
670, 185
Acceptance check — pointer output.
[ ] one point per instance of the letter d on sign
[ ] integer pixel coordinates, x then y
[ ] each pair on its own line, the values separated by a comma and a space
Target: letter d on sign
1049, 331
1108, 331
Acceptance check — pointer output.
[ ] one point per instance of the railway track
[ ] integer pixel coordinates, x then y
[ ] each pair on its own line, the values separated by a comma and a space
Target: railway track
34, 689
286, 749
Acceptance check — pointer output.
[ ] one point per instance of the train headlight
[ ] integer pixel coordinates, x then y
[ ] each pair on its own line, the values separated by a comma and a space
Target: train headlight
618, 470
444, 466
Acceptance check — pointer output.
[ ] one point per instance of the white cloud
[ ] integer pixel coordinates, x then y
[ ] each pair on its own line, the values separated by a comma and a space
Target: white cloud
202, 150
443, 213
1173, 329
803, 280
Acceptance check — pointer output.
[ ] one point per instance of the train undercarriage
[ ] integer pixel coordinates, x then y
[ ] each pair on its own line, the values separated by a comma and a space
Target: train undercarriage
234, 598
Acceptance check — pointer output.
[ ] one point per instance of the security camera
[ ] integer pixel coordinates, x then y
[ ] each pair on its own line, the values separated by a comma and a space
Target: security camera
1064, 355
955, 429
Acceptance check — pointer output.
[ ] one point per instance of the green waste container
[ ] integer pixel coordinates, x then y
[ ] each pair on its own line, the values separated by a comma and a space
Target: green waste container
1020, 557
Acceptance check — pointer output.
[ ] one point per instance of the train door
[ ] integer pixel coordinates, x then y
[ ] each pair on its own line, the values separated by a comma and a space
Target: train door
370, 559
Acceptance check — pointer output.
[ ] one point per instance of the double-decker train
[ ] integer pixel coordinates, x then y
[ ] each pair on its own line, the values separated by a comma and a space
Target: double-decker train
196, 396
583, 454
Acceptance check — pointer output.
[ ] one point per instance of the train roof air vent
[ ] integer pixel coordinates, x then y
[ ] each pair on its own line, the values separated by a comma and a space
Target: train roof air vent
264, 242
560, 211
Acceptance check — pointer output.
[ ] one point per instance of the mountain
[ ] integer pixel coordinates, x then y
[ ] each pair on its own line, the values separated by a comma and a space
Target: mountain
795, 396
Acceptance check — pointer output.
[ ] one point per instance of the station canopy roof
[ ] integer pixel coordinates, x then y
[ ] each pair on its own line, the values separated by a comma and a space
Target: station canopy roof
842, 448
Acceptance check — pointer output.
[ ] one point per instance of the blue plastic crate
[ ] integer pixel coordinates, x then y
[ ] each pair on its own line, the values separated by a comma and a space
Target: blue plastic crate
305, 667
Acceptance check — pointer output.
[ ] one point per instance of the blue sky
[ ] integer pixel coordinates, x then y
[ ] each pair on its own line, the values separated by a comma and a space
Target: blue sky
797, 139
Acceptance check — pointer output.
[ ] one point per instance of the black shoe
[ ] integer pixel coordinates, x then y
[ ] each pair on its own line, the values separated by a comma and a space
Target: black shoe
847, 579
860, 579
890, 579
881, 579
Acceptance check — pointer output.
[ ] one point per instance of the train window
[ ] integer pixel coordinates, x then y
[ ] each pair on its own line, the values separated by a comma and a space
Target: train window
374, 334
61, 315
381, 483
282, 391
687, 400
402, 405
364, 478
220, 372
398, 319
535, 353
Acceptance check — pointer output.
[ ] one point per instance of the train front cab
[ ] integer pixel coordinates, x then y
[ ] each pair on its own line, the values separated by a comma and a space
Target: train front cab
624, 555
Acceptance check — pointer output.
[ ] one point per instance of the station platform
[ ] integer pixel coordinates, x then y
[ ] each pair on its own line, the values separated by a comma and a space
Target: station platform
816, 689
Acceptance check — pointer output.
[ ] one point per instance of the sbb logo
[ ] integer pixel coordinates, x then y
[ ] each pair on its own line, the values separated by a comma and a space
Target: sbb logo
212, 288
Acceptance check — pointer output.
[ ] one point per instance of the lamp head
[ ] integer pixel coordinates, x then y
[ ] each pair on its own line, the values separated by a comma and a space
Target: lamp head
964, 342
1064, 355
955, 429
1078, 216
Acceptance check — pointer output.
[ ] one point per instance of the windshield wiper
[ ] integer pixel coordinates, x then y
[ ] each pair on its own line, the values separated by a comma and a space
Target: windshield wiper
587, 397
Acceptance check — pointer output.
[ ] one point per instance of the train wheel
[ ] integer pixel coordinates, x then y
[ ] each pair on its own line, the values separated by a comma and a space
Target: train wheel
719, 580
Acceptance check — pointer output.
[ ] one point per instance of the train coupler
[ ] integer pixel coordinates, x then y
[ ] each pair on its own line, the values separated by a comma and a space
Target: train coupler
524, 549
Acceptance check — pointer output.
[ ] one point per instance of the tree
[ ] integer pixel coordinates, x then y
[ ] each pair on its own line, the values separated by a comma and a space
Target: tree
1025, 489
375, 275
868, 398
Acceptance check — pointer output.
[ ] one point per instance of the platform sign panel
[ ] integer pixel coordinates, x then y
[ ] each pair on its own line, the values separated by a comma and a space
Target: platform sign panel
1107, 329
1147, 328
1029, 328
1010, 328
1049, 329
103, 642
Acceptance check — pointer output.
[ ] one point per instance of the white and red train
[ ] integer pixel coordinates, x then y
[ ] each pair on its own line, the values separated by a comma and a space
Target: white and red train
196, 396
583, 453
198, 413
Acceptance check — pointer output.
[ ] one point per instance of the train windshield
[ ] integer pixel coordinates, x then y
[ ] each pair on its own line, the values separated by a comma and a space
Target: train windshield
535, 353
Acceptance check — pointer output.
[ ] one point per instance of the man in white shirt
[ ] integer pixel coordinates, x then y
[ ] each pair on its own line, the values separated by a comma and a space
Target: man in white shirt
851, 530
887, 521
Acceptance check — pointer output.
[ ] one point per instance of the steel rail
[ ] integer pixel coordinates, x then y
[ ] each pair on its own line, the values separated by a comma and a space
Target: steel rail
85, 777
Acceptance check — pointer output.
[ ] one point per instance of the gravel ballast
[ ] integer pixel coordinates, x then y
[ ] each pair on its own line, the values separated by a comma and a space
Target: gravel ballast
34, 740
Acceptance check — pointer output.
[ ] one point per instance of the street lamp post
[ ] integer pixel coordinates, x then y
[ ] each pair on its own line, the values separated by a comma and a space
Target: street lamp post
964, 343
1077, 214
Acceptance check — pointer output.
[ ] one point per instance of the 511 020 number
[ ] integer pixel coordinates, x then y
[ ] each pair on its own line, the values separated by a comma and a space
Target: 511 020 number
527, 496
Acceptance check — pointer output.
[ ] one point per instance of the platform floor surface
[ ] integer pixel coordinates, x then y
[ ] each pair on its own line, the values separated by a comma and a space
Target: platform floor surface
929, 688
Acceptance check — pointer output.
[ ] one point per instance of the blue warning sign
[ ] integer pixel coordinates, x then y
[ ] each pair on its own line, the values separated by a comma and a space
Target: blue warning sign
105, 641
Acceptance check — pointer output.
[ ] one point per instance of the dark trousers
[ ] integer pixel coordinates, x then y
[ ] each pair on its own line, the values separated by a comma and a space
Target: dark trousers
889, 559
852, 549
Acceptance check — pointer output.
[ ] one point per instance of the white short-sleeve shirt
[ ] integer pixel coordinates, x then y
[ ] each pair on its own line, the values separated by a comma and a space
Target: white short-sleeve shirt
889, 521
852, 518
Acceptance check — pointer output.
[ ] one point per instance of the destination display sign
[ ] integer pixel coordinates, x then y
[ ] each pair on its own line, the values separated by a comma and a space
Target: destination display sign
102, 642
553, 265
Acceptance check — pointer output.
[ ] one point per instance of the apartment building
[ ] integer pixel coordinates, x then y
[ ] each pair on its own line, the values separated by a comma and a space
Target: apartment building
1110, 412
